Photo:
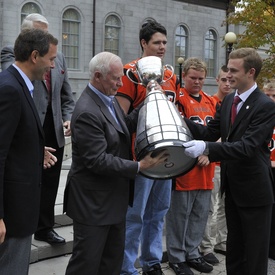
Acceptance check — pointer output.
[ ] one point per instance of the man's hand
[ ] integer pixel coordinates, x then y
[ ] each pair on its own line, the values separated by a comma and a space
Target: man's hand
203, 160
49, 158
194, 148
149, 162
2, 231
67, 128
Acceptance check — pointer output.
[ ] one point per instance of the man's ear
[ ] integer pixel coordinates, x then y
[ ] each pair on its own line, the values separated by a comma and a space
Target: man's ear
97, 76
34, 55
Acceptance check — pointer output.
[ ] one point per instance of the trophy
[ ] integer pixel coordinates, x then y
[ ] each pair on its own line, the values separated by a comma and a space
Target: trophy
148, 69
160, 125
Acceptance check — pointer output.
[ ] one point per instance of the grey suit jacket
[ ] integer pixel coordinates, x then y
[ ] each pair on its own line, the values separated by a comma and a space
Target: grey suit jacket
97, 190
62, 99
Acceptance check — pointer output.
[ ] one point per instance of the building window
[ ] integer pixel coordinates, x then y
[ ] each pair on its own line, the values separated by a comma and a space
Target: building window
210, 52
112, 34
180, 46
70, 37
29, 8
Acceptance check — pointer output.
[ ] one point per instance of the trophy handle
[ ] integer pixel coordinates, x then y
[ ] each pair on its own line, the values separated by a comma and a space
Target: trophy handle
130, 70
170, 68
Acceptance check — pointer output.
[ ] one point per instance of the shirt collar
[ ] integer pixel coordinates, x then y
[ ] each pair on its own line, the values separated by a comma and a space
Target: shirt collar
26, 79
247, 93
107, 100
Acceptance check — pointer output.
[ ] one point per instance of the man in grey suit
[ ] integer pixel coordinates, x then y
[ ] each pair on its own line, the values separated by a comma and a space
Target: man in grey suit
98, 186
21, 149
54, 102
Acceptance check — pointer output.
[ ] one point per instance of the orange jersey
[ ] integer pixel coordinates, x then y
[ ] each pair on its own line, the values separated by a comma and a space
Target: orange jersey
199, 112
136, 93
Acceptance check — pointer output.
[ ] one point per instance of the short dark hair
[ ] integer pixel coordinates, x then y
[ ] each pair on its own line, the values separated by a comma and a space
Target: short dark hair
148, 29
30, 40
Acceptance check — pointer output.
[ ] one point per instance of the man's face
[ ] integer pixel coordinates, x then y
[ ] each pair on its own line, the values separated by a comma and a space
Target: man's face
193, 81
238, 78
223, 83
44, 63
109, 84
270, 93
156, 46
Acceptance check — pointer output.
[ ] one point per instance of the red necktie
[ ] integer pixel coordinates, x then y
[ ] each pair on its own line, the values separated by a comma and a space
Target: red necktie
236, 101
48, 84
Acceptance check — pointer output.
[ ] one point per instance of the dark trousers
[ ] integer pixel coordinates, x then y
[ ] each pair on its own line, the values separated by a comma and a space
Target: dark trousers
50, 178
15, 255
247, 239
97, 250
272, 232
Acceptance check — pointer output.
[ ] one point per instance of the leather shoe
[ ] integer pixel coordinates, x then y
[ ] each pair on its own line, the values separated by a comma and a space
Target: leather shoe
50, 237
200, 264
181, 268
211, 259
154, 270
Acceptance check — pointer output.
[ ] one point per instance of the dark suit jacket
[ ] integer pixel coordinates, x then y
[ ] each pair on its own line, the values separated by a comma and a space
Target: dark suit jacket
21, 155
62, 99
244, 153
97, 190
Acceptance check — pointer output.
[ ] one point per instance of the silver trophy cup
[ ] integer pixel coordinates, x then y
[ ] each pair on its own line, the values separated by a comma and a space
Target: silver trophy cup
149, 68
160, 125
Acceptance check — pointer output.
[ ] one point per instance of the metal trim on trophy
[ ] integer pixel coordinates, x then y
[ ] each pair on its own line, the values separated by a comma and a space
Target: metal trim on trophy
160, 125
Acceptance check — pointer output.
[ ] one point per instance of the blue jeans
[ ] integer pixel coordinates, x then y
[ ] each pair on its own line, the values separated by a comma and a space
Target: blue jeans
144, 223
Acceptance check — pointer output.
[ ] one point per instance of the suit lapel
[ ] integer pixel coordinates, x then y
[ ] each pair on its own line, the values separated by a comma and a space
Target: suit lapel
106, 112
28, 97
247, 107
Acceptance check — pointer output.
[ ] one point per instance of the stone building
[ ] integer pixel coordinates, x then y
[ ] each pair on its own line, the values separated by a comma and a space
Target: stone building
87, 27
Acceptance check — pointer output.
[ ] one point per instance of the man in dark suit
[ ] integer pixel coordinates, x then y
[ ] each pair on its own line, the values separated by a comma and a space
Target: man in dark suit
245, 163
97, 190
21, 148
54, 102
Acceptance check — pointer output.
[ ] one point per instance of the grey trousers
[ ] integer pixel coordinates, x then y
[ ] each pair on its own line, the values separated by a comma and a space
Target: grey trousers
15, 256
185, 224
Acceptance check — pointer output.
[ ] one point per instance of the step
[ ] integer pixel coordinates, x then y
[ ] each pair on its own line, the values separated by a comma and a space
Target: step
42, 250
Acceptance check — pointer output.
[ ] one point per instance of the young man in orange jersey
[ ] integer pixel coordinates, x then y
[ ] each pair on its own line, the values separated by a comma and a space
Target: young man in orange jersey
190, 201
269, 90
144, 221
216, 230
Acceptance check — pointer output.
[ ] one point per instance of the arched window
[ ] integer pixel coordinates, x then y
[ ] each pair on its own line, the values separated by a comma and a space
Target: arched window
29, 8
181, 39
210, 52
112, 34
70, 37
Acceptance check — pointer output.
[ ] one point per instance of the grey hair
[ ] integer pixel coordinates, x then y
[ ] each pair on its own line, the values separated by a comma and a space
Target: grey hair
101, 63
33, 17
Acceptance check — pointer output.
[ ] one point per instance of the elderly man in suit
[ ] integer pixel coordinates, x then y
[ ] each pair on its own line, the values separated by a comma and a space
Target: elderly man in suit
21, 148
97, 190
246, 174
55, 107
